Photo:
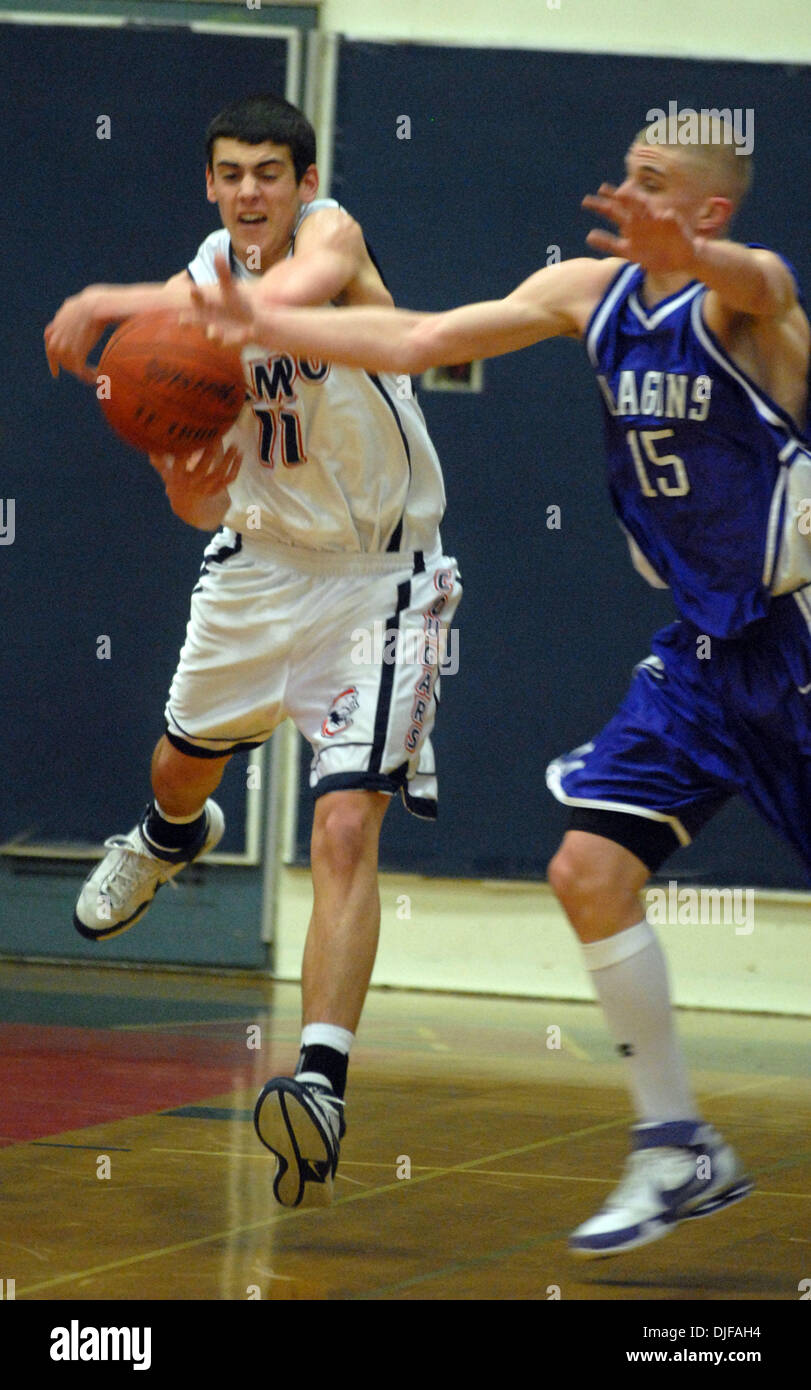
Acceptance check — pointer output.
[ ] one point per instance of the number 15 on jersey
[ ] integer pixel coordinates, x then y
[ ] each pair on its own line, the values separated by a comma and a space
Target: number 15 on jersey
647, 460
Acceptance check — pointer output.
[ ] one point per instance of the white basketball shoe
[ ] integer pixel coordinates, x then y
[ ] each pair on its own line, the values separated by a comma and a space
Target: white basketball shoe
301, 1121
678, 1170
121, 889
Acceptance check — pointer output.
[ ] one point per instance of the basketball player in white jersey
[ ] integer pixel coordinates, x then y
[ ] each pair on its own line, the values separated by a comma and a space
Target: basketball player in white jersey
328, 495
701, 346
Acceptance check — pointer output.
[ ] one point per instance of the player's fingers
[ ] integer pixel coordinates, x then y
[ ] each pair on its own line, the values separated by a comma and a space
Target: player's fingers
221, 467
223, 272
606, 241
162, 463
50, 350
234, 461
194, 459
208, 476
606, 207
225, 280
228, 335
616, 203
200, 308
77, 368
213, 460
231, 293
631, 204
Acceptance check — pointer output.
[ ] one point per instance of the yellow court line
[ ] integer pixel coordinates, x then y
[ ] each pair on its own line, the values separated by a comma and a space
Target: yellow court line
454, 1167
438, 1172
569, 1045
415, 1167
173, 1025
300, 1212
361, 1163
215, 1153
750, 1086
796, 1196
493, 1173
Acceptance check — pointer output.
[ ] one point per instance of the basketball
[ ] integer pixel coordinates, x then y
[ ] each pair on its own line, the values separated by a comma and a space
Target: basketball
169, 389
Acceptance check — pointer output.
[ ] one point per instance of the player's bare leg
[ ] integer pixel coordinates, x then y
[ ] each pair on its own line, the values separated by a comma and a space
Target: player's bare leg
300, 1119
180, 825
345, 925
181, 782
597, 883
680, 1167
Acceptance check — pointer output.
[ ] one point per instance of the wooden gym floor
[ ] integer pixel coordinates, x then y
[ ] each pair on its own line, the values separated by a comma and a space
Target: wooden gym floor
509, 1115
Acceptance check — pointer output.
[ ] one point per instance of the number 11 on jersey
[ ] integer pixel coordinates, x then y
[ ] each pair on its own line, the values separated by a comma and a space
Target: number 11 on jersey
280, 437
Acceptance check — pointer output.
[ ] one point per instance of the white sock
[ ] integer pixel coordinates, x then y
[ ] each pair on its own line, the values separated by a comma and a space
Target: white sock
630, 977
327, 1035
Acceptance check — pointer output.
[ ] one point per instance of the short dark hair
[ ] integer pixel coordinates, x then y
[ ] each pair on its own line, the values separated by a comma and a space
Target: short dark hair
257, 119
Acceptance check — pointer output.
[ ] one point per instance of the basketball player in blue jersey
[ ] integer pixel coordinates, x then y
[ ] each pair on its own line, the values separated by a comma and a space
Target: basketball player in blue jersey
701, 351
328, 495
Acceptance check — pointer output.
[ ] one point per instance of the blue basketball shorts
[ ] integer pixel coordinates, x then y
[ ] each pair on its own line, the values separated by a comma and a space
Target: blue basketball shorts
705, 719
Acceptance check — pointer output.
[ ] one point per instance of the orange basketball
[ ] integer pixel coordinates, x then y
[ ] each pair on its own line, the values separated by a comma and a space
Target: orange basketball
170, 389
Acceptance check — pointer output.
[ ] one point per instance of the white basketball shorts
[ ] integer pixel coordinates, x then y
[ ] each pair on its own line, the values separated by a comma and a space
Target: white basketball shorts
349, 649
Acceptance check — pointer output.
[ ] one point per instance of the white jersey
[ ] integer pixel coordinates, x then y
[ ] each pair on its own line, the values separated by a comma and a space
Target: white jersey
334, 458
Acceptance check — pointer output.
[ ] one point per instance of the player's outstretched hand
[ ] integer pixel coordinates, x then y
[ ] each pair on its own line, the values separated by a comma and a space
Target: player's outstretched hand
71, 335
226, 309
652, 237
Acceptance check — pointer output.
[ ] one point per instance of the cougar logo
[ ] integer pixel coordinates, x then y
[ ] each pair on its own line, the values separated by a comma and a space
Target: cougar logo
341, 710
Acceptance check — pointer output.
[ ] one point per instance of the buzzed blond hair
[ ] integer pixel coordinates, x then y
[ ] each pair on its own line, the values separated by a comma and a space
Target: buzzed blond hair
725, 169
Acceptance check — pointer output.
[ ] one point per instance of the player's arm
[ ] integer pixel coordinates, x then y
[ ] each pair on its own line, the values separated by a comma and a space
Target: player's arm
330, 264
742, 279
746, 280
555, 302
81, 320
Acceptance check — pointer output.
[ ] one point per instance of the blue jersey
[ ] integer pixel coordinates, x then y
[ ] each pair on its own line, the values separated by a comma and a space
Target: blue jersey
711, 480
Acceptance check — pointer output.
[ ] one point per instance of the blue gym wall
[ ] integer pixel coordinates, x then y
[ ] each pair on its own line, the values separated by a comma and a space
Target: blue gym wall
97, 550
503, 146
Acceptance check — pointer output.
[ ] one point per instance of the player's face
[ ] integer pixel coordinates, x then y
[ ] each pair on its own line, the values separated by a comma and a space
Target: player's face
256, 190
667, 179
